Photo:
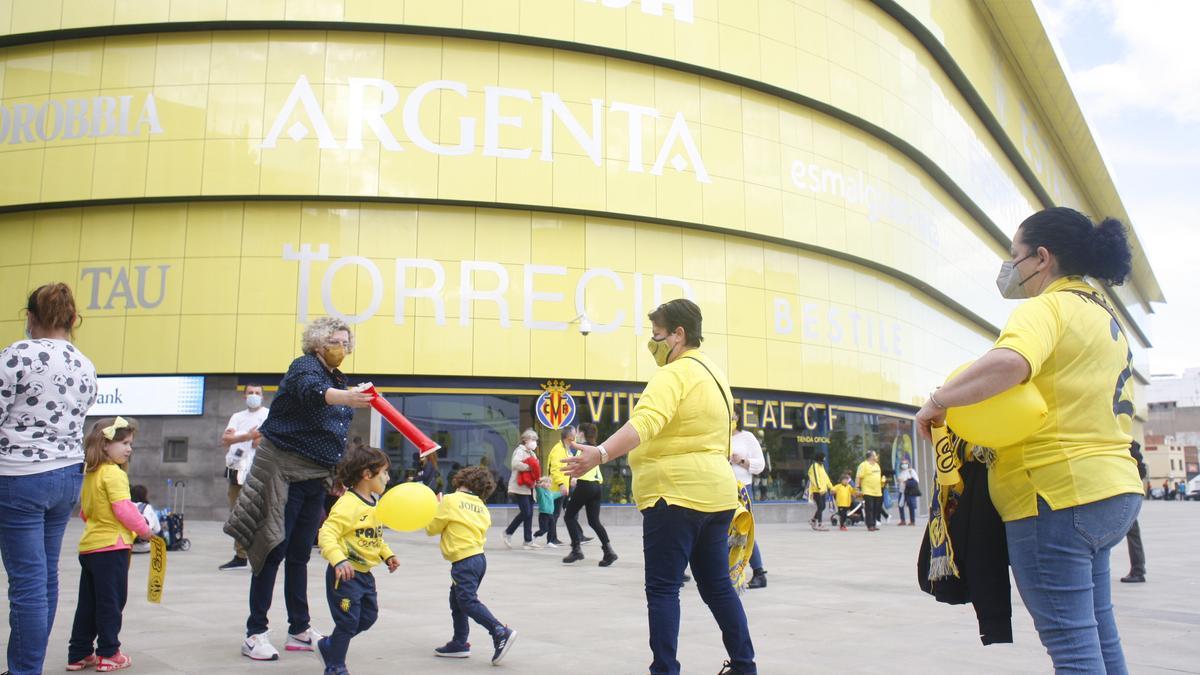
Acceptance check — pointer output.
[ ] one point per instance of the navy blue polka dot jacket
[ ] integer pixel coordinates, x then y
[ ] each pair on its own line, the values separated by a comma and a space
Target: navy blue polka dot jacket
300, 421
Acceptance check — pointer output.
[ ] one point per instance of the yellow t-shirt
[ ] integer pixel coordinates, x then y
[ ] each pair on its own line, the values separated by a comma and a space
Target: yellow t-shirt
843, 495
818, 479
870, 479
102, 488
1079, 361
558, 479
353, 532
684, 423
463, 521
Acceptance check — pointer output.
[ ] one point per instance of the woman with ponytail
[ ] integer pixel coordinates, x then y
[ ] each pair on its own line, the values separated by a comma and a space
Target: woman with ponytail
1068, 493
46, 388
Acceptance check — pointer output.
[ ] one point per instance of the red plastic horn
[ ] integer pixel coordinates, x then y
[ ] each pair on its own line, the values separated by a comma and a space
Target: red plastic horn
393, 416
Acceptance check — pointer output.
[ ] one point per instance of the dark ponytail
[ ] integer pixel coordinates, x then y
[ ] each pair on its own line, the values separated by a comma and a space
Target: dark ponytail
1081, 248
52, 307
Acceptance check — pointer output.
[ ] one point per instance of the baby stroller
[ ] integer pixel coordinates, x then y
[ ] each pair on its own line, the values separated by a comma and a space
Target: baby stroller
172, 517
855, 515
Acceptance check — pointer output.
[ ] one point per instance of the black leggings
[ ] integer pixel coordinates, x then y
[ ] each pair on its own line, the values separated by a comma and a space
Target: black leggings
819, 501
586, 495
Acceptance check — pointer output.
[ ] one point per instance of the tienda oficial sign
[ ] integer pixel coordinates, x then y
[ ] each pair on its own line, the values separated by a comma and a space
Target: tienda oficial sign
372, 98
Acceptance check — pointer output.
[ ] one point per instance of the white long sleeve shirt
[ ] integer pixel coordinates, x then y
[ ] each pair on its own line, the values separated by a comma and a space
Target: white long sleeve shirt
745, 446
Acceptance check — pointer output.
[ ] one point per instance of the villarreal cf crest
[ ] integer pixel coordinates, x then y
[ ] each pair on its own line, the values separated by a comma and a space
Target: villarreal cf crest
555, 408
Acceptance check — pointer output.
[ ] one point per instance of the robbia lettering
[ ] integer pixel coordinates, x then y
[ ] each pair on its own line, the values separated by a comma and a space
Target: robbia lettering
371, 98
489, 281
95, 117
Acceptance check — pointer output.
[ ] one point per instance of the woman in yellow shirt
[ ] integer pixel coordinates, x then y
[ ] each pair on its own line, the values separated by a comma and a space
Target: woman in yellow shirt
682, 484
870, 482
1069, 492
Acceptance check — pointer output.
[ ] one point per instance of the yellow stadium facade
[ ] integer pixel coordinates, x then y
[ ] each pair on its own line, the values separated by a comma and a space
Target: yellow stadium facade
470, 182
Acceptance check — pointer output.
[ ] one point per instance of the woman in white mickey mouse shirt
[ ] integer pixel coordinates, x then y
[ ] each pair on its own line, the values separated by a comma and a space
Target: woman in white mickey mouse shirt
46, 389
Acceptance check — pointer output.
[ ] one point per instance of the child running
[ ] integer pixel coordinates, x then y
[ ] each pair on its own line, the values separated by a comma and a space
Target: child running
843, 495
352, 541
111, 521
463, 521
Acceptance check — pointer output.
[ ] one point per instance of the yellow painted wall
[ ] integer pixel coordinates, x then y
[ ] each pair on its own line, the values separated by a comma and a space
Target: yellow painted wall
773, 168
210, 288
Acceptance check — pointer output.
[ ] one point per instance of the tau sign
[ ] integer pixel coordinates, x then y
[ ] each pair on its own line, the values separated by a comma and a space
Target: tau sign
555, 408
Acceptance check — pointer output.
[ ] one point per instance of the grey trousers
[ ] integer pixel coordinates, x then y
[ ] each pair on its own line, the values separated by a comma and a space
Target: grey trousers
1137, 555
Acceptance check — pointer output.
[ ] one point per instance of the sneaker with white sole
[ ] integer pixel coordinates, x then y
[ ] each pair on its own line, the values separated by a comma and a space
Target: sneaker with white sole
453, 650
502, 641
303, 642
259, 647
508, 540
531, 546
552, 544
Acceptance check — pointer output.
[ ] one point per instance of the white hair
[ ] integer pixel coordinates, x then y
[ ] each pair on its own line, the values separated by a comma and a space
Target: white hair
529, 435
319, 330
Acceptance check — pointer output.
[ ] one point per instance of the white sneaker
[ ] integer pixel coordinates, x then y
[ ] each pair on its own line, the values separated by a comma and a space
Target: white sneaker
531, 546
508, 540
551, 544
303, 642
259, 648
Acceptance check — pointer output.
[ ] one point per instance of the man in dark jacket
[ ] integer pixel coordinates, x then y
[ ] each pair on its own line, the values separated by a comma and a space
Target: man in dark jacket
1137, 555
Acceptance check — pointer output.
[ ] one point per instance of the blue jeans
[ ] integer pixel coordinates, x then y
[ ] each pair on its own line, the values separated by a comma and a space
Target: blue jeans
301, 519
523, 518
465, 577
354, 605
909, 501
34, 511
1060, 561
673, 537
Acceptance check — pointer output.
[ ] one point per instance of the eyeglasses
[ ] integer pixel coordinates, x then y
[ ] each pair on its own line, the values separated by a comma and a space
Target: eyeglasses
336, 343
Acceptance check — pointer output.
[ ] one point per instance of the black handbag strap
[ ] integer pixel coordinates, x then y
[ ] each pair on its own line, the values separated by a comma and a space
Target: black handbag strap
728, 410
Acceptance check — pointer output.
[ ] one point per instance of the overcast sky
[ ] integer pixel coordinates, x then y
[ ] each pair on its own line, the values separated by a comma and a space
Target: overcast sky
1135, 70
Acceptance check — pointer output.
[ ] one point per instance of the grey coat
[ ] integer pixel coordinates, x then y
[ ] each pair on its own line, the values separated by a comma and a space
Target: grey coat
256, 522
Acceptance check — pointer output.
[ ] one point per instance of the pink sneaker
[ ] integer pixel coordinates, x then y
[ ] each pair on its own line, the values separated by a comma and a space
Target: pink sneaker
118, 661
86, 662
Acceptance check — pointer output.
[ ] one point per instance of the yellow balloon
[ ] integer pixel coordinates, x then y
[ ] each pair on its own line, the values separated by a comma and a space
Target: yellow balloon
1002, 420
407, 507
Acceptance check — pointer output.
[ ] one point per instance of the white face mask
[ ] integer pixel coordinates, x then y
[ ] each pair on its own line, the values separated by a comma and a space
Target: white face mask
1009, 280
531, 445
253, 400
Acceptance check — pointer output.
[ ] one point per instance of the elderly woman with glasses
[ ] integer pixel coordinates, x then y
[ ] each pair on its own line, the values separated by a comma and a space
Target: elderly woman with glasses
279, 510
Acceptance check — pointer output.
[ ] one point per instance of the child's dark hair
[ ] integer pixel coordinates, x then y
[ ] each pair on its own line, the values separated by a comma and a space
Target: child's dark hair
1081, 248
356, 461
476, 479
845, 476
139, 493
591, 434
94, 442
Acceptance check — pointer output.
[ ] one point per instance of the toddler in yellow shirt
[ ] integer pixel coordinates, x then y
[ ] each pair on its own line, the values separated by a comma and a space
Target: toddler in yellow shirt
352, 541
463, 520
843, 496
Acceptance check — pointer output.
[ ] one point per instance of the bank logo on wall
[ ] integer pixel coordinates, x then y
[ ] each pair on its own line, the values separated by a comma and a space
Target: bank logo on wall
555, 408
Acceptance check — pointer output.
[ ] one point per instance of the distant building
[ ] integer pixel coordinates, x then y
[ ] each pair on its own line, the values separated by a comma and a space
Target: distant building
1174, 423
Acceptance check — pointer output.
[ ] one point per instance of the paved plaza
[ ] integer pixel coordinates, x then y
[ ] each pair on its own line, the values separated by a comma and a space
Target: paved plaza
837, 602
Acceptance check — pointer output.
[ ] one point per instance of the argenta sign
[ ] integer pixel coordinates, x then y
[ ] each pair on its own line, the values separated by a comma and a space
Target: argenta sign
372, 98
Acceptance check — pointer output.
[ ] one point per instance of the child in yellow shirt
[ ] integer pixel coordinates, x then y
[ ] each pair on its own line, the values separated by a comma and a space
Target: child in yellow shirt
843, 498
463, 521
352, 541
112, 520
